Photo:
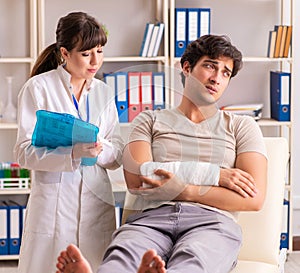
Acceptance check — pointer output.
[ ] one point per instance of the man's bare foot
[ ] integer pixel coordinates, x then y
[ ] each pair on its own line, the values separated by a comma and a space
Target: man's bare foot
72, 261
152, 263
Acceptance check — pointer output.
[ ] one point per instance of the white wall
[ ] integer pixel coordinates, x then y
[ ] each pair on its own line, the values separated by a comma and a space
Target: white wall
296, 104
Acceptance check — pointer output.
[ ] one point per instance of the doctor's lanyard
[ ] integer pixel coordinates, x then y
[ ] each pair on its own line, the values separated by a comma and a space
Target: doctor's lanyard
87, 107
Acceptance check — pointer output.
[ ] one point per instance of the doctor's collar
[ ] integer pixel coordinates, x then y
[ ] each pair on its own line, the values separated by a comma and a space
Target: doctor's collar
66, 77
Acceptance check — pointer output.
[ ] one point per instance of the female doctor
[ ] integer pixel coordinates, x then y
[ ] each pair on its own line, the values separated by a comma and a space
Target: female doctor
69, 202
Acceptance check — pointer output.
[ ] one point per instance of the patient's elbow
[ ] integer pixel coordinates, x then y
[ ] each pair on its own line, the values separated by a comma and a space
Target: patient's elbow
257, 205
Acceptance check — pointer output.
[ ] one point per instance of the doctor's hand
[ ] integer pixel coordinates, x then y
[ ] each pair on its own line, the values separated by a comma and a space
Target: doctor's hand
86, 150
238, 181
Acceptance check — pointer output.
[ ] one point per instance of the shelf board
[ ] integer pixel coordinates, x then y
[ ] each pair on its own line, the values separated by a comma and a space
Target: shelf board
256, 59
4, 125
266, 59
9, 257
272, 122
288, 187
15, 191
136, 59
17, 60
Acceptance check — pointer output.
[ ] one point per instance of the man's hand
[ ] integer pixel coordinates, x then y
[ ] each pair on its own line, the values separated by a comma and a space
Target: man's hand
165, 188
238, 181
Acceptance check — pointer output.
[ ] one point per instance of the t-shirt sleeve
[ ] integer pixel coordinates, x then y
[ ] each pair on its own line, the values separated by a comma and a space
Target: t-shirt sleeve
249, 137
141, 127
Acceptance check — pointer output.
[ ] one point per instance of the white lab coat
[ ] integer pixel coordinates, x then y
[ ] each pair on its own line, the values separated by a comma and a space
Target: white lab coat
68, 203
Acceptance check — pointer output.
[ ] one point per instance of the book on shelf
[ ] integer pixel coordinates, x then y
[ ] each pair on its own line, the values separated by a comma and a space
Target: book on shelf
279, 30
271, 43
158, 39
279, 42
153, 41
146, 39
288, 41
282, 42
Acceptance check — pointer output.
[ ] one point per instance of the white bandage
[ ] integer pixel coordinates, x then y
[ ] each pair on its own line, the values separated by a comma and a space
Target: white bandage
189, 172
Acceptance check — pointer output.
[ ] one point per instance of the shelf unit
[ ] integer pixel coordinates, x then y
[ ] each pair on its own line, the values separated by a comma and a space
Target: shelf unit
12, 64
252, 39
19, 67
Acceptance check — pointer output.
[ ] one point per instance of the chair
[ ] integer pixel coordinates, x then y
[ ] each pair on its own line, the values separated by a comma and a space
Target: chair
262, 229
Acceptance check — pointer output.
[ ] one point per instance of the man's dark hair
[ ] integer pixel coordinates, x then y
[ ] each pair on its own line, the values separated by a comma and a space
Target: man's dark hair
213, 46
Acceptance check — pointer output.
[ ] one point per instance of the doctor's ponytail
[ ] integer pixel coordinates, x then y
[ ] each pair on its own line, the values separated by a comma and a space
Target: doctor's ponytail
49, 59
75, 30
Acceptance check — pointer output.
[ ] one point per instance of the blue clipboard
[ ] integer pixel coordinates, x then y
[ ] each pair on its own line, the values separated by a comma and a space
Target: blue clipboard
54, 129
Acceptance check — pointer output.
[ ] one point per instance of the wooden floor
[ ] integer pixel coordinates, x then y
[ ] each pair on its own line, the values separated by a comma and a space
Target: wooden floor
292, 264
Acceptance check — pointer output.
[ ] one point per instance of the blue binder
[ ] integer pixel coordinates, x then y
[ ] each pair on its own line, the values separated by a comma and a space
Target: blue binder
54, 129
146, 39
180, 31
284, 238
122, 95
280, 93
14, 230
4, 225
22, 220
158, 90
204, 21
193, 24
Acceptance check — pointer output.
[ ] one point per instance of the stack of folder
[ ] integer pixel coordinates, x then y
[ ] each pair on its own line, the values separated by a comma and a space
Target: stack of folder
190, 24
12, 222
136, 92
279, 43
152, 39
252, 110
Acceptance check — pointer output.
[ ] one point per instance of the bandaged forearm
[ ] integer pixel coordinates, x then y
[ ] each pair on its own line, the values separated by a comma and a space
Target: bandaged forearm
167, 192
189, 172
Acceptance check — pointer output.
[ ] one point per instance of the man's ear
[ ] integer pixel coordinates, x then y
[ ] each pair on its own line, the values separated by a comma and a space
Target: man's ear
186, 68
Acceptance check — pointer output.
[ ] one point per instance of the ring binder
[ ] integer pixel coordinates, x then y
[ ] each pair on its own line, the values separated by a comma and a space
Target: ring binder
54, 129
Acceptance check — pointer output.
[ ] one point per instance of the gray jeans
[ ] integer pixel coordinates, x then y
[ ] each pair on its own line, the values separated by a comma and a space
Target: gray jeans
189, 238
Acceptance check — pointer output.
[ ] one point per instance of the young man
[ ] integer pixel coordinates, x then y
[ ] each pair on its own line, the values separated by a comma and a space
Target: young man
192, 226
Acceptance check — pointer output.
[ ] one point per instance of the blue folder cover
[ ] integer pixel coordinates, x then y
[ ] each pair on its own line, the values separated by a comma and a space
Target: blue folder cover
4, 229
54, 129
280, 89
122, 95
180, 31
158, 90
284, 237
14, 230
